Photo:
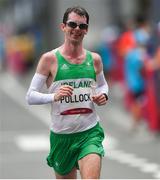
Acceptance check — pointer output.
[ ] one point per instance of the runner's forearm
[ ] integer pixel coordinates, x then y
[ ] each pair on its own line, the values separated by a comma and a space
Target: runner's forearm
34, 95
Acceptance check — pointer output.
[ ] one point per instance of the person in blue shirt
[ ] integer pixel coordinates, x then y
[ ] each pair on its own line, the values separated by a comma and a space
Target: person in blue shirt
134, 77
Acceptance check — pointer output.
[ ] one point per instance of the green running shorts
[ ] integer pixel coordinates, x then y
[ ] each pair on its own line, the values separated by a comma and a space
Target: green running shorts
67, 149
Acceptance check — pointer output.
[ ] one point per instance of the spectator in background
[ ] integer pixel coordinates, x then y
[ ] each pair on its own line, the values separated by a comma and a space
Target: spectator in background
126, 40
134, 79
124, 43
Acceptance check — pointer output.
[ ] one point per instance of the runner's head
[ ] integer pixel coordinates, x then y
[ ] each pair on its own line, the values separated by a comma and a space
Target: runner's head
78, 10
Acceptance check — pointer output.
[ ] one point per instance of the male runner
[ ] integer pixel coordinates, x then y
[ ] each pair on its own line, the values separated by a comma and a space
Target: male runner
75, 80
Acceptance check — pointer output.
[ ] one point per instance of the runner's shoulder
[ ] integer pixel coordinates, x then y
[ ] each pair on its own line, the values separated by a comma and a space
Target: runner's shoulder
97, 62
96, 57
48, 57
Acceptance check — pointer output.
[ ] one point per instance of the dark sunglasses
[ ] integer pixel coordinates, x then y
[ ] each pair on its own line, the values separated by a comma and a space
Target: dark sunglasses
81, 26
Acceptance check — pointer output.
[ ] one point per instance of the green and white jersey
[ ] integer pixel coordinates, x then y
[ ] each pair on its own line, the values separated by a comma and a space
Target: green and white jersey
77, 112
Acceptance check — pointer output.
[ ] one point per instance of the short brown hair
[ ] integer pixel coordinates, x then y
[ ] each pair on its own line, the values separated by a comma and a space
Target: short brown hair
78, 10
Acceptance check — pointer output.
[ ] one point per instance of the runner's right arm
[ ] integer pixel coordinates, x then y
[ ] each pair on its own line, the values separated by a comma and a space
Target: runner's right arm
34, 94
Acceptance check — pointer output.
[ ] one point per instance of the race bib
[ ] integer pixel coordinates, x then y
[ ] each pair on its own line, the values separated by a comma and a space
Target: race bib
79, 103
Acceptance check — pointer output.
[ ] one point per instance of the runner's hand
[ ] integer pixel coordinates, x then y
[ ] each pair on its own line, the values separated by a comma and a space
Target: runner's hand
99, 99
64, 90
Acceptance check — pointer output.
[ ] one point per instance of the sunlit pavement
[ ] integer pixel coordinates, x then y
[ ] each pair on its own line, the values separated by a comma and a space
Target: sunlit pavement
24, 142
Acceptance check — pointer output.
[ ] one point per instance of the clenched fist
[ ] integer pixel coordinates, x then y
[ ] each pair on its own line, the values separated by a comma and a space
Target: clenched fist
100, 99
64, 90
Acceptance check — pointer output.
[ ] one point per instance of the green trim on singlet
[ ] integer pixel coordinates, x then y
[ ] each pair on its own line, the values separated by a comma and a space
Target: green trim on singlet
68, 70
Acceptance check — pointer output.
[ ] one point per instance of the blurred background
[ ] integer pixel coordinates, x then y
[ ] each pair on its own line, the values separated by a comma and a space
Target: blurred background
126, 34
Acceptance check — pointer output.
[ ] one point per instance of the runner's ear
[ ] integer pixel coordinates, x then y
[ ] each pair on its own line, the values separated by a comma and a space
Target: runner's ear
62, 27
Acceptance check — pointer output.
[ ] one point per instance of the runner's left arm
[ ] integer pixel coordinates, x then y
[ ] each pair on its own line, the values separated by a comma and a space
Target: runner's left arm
102, 89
